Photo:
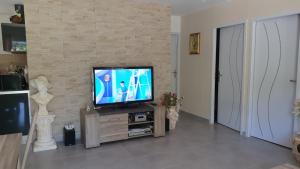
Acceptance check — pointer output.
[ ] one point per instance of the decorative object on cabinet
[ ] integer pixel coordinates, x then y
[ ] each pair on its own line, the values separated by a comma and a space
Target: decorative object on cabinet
18, 18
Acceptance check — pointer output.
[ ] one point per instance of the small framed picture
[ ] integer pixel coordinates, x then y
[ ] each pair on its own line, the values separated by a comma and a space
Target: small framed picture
194, 43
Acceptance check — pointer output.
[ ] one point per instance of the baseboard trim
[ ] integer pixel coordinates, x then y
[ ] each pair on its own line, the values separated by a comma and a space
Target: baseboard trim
195, 115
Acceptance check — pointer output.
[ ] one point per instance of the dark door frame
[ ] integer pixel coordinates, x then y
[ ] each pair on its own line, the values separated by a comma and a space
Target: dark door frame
217, 76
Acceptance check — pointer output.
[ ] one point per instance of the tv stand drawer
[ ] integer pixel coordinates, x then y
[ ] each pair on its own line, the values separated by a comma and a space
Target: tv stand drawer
112, 128
119, 118
114, 137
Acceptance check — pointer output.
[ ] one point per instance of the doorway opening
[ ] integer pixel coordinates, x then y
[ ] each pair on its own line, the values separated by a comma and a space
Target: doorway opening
175, 63
229, 76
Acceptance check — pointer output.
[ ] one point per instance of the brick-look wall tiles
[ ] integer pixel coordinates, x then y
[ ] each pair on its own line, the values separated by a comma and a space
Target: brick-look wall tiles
67, 38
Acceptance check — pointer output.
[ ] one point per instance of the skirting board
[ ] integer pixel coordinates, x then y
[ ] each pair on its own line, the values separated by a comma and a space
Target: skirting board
182, 110
192, 114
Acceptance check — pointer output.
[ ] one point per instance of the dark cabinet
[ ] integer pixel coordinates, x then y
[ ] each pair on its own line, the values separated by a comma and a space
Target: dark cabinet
14, 37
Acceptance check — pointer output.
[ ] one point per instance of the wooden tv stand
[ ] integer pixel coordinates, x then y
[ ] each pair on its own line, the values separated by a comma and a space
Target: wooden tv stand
113, 124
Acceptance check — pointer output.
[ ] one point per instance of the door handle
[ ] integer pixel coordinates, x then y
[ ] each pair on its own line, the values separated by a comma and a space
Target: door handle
218, 76
293, 81
175, 74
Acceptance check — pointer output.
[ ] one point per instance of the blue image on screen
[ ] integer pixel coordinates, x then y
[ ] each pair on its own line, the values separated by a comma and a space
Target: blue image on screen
122, 85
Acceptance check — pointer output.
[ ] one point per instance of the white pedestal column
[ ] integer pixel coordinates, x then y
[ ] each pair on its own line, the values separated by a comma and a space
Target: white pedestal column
45, 139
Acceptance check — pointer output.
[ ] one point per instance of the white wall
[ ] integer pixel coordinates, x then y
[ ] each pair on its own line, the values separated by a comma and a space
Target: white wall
175, 24
197, 71
6, 10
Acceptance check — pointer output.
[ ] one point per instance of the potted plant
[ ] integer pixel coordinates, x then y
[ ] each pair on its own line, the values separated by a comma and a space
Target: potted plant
172, 104
296, 139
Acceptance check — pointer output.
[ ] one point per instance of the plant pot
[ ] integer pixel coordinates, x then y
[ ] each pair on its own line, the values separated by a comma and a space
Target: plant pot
172, 115
296, 146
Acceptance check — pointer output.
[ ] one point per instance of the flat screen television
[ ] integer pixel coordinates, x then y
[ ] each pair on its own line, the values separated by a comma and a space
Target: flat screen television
122, 85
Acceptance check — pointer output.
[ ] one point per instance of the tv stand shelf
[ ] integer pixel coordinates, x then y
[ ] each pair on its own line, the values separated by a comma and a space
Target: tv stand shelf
143, 135
137, 123
124, 110
114, 124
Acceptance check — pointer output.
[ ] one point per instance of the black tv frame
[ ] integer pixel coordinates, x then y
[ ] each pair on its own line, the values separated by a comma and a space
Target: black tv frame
23, 96
122, 103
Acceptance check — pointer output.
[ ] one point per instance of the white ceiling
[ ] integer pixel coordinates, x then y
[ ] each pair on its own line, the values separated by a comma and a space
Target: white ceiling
179, 7
8, 5
184, 7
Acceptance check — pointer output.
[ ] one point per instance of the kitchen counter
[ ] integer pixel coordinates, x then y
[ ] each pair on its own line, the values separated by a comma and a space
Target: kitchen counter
14, 92
9, 150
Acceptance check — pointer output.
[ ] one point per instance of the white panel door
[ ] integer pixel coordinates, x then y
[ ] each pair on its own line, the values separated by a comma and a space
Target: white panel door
274, 85
231, 50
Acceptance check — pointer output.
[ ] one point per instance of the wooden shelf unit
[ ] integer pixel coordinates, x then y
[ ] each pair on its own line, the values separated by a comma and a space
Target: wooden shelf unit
112, 124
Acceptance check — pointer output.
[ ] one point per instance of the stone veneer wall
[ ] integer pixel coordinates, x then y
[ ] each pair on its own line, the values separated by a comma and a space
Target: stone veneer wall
67, 38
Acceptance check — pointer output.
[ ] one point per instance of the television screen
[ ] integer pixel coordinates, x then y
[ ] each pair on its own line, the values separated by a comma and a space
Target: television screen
122, 85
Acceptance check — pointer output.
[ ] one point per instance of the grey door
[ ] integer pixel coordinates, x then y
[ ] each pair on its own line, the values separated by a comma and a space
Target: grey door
274, 85
231, 53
